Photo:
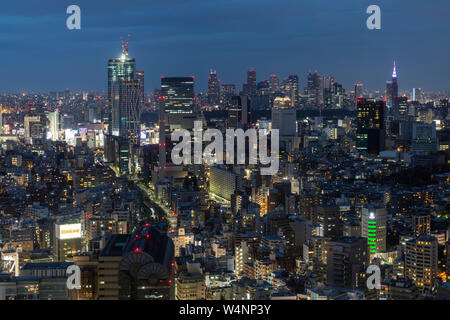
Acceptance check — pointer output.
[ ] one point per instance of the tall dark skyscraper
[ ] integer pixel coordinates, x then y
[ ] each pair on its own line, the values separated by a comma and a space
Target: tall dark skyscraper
140, 78
401, 108
226, 93
213, 89
176, 110
370, 126
314, 90
250, 85
179, 95
239, 112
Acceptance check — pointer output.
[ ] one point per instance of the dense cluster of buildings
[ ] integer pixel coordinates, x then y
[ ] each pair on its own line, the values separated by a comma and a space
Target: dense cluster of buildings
87, 180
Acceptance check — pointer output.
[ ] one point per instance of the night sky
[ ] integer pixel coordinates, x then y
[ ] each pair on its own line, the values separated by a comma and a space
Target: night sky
188, 37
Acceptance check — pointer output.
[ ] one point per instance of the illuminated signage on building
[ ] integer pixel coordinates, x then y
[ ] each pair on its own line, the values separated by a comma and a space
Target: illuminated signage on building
69, 231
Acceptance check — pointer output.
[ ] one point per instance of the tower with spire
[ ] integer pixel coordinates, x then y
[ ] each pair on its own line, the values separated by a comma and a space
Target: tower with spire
392, 89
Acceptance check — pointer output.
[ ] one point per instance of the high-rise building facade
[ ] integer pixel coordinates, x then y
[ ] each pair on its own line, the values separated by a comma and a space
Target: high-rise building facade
424, 140
327, 217
421, 225
373, 228
314, 90
370, 131
123, 68
239, 112
54, 120
292, 89
213, 89
67, 241
274, 84
123, 116
179, 95
227, 91
421, 262
392, 89
284, 118
250, 85
126, 111
346, 258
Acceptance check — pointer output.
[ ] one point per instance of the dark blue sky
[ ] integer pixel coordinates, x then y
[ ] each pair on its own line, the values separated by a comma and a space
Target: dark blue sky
188, 37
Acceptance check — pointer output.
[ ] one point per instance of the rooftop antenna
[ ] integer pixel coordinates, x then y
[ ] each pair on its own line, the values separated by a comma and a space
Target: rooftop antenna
125, 46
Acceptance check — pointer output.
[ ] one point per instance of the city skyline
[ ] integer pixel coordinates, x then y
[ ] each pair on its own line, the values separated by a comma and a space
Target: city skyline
190, 38
283, 151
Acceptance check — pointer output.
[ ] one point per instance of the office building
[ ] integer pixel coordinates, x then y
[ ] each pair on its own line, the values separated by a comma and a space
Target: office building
314, 90
250, 85
421, 262
392, 89
213, 89
424, 140
223, 184
178, 99
373, 228
327, 217
346, 258
190, 287
370, 132
284, 117
421, 224
227, 91
67, 240
239, 112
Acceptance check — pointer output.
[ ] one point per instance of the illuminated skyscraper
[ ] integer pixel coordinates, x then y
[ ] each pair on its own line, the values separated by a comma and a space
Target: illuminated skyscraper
179, 95
292, 89
123, 68
274, 83
176, 111
392, 89
226, 93
370, 126
126, 111
213, 89
373, 228
54, 120
402, 108
125, 99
